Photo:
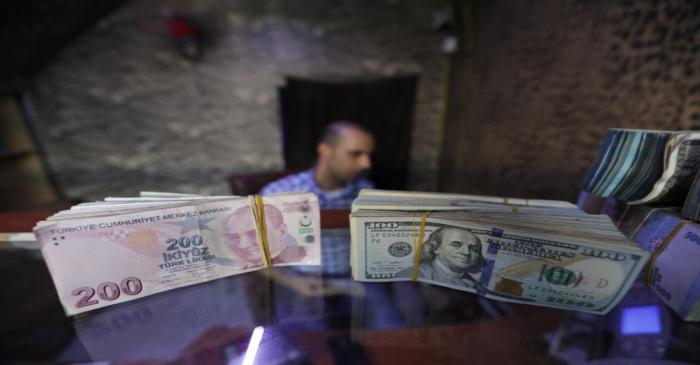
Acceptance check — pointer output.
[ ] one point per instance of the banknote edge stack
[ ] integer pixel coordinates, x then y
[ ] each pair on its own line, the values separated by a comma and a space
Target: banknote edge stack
671, 165
661, 231
514, 203
179, 200
691, 206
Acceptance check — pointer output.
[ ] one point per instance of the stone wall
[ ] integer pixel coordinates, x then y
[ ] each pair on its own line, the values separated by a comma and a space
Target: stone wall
120, 111
549, 77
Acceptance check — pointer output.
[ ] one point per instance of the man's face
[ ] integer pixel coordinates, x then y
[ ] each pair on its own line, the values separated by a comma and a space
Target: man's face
459, 249
243, 240
351, 155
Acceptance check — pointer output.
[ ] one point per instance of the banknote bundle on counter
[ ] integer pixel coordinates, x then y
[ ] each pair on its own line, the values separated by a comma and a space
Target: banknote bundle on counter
538, 252
674, 245
691, 207
119, 249
641, 179
644, 166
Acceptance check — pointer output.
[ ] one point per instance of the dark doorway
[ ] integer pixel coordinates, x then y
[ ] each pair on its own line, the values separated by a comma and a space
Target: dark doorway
25, 181
384, 106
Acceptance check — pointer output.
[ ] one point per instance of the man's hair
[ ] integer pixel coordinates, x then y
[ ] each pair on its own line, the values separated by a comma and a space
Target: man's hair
434, 241
333, 131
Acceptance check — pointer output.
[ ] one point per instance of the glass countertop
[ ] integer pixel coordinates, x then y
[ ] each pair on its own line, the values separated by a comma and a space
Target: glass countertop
290, 316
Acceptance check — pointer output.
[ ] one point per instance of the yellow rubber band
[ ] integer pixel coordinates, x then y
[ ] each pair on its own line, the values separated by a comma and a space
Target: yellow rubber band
659, 250
419, 246
262, 228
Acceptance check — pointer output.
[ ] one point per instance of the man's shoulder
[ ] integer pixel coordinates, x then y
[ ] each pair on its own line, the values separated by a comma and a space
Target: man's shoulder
363, 183
301, 181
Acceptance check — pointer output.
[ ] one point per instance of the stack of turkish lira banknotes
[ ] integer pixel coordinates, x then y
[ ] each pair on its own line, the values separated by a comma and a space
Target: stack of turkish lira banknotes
539, 252
645, 166
119, 249
672, 272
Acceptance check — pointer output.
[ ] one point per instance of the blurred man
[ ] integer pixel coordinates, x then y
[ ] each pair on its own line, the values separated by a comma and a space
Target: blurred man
344, 155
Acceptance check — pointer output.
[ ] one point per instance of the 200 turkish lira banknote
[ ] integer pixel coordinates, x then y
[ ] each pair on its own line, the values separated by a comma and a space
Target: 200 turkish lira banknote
97, 259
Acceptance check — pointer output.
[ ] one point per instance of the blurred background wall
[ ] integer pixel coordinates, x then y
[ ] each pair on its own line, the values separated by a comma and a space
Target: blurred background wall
518, 110
119, 110
539, 83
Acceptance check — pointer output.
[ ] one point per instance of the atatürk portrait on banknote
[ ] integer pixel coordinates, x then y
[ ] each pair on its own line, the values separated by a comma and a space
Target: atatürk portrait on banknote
451, 255
243, 240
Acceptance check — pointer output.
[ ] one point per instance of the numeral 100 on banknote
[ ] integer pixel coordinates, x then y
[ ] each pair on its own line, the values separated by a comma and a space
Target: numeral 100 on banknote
108, 291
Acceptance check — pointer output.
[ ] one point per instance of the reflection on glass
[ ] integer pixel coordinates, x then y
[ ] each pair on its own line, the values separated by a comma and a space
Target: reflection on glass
162, 326
253, 346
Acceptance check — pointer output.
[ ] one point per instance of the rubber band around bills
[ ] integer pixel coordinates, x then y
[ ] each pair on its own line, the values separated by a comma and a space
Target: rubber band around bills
514, 207
652, 260
262, 228
419, 246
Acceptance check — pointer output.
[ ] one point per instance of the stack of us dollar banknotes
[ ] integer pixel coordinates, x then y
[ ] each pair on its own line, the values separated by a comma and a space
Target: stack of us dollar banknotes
119, 249
538, 252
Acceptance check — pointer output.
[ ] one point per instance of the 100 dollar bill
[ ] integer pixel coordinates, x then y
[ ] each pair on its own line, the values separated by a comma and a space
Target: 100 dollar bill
503, 264
99, 261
